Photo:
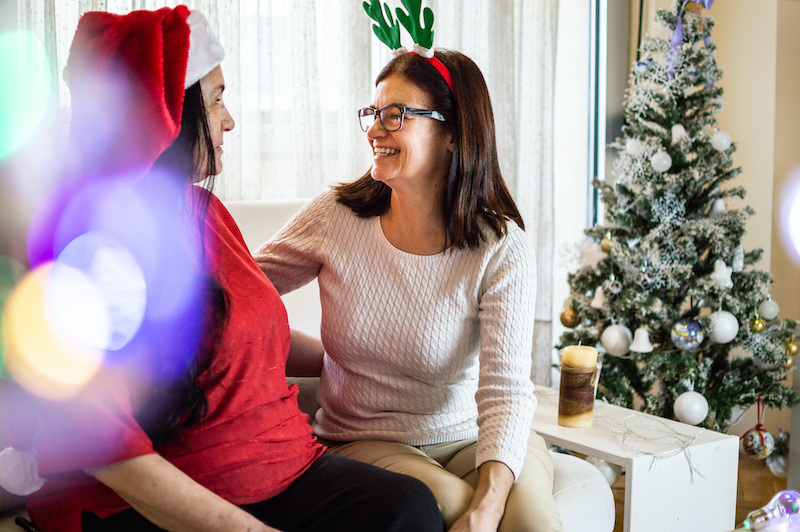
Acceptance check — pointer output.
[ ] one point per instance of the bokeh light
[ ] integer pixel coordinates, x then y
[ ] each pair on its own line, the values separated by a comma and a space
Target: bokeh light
24, 94
126, 270
98, 291
3, 344
42, 356
11, 272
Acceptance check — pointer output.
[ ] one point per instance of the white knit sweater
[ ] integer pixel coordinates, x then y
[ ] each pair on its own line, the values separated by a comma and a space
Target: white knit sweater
419, 349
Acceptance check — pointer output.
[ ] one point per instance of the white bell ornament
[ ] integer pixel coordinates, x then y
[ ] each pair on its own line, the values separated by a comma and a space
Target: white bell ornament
678, 133
641, 341
718, 207
599, 298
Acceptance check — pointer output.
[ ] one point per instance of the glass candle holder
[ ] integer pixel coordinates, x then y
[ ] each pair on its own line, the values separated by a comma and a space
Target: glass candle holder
579, 374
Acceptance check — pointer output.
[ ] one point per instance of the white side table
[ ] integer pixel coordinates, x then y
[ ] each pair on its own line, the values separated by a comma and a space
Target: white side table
661, 494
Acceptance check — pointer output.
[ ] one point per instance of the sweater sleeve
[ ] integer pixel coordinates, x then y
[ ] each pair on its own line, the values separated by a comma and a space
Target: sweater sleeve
505, 392
292, 257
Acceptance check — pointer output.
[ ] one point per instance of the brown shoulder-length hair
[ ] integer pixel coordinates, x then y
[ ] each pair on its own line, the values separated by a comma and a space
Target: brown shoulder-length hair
474, 188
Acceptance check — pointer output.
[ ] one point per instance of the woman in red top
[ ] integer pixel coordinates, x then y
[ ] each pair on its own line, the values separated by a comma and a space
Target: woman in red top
219, 443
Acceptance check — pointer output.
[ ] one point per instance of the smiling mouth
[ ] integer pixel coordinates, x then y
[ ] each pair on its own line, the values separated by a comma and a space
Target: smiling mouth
385, 151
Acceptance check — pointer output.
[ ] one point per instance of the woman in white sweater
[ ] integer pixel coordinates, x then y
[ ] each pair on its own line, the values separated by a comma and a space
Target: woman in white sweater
427, 283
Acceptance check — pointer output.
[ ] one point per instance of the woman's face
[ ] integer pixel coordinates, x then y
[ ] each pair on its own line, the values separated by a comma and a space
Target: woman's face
418, 155
219, 119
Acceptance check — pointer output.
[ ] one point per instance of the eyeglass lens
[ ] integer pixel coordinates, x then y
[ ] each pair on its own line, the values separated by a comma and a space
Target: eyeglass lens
391, 117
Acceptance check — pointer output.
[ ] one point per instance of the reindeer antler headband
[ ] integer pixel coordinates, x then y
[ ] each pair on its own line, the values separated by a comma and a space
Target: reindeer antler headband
389, 32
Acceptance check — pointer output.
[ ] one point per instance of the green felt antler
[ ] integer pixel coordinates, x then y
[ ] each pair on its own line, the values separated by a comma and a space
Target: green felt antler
422, 34
388, 33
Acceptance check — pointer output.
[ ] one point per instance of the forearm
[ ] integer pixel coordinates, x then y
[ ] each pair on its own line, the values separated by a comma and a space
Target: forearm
489, 501
172, 500
305, 355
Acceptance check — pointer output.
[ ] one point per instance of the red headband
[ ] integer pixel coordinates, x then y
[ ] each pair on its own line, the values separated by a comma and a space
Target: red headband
439, 66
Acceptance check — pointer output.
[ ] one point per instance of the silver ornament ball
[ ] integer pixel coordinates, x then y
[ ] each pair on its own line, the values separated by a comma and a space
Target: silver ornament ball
661, 161
720, 141
768, 309
616, 340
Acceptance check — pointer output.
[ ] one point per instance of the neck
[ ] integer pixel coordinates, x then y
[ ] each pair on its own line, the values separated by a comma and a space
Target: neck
414, 222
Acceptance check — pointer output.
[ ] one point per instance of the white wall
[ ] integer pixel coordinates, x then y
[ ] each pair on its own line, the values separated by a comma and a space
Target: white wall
259, 221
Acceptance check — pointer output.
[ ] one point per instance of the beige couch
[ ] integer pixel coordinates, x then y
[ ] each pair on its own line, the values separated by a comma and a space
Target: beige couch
582, 494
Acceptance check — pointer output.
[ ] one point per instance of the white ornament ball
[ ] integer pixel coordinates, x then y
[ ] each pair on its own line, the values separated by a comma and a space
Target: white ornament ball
768, 309
612, 472
724, 327
616, 340
690, 408
635, 147
721, 141
661, 161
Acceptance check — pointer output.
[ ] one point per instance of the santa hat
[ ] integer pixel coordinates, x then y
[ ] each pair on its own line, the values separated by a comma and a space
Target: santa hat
127, 75
205, 51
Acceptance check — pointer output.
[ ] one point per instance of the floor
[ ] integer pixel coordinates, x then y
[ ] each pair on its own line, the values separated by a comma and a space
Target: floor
757, 485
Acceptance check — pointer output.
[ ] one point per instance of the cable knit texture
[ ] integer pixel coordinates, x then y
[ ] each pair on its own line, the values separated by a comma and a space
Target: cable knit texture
419, 349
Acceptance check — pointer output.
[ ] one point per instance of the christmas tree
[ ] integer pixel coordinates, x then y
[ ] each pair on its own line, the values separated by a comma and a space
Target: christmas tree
667, 261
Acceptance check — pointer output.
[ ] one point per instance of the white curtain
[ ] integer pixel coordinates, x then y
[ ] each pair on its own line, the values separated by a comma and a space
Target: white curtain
296, 71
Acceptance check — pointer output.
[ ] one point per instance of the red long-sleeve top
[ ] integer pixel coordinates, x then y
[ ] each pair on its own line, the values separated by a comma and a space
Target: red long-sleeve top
253, 443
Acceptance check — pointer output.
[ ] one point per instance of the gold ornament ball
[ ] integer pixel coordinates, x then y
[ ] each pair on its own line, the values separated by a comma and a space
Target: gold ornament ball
788, 363
758, 325
569, 317
605, 244
792, 348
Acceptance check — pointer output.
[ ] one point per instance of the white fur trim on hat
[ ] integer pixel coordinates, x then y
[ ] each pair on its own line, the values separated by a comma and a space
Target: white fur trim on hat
205, 50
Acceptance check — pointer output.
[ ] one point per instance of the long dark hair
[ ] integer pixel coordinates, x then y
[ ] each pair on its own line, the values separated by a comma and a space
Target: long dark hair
180, 403
475, 190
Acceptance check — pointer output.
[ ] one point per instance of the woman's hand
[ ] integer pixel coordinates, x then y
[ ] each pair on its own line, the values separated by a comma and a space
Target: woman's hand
169, 498
489, 502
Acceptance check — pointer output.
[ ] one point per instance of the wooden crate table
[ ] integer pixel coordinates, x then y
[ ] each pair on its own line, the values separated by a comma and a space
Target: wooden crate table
677, 476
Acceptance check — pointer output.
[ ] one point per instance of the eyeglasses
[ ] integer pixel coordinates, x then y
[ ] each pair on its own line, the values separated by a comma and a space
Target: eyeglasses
392, 116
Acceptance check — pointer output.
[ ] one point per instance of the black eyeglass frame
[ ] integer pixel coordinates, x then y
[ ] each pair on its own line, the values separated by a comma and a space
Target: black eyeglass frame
436, 115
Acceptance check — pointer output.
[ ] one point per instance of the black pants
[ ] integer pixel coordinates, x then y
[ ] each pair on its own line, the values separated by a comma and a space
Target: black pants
334, 494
